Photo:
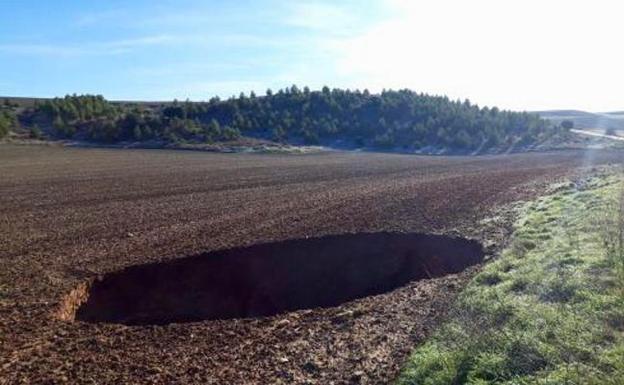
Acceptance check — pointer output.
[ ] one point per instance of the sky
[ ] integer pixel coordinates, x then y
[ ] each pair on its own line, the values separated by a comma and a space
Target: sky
515, 54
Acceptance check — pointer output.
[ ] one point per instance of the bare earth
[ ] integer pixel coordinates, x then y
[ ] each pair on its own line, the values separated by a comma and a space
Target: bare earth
68, 215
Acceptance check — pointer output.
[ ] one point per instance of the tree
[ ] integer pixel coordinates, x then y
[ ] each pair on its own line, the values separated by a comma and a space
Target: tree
279, 134
35, 132
229, 133
567, 124
63, 129
137, 133
212, 131
310, 138
384, 140
5, 125
462, 140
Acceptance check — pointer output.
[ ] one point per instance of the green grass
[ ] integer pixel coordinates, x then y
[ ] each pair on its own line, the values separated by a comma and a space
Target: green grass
549, 310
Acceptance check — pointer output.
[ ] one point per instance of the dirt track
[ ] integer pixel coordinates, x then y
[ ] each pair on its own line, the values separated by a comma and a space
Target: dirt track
67, 215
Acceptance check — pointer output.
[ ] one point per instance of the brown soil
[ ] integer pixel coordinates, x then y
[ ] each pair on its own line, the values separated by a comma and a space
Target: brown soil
69, 216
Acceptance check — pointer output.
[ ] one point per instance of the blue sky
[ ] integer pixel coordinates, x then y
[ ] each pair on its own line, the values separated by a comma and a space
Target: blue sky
516, 54
195, 49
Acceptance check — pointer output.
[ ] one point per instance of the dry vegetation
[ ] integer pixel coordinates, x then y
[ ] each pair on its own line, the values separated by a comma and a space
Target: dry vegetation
68, 215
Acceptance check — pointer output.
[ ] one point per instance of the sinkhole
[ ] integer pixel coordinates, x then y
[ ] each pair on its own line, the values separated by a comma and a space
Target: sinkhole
268, 279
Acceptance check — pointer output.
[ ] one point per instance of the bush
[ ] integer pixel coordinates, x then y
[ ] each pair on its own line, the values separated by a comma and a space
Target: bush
567, 124
35, 132
8, 120
4, 126
310, 138
230, 133
384, 141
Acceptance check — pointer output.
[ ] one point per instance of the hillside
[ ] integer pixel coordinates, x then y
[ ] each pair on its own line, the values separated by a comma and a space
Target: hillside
582, 119
392, 120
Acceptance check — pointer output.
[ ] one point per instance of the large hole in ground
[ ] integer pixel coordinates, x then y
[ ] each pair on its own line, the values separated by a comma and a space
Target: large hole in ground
272, 278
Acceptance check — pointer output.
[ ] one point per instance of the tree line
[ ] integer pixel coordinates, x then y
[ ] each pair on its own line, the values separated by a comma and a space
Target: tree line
391, 119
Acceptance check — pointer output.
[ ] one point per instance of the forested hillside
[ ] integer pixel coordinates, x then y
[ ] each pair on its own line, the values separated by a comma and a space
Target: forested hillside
402, 119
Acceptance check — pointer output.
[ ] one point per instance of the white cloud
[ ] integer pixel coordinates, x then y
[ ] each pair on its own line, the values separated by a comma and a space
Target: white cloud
524, 55
91, 19
529, 54
52, 50
140, 42
324, 17
114, 47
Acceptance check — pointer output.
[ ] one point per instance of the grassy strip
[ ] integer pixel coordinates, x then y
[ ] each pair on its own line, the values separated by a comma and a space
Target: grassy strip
550, 309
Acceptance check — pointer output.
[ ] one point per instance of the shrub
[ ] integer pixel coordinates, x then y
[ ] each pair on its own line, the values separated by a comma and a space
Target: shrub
8, 120
35, 132
567, 124
230, 133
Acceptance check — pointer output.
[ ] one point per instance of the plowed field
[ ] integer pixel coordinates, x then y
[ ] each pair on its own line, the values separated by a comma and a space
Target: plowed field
69, 217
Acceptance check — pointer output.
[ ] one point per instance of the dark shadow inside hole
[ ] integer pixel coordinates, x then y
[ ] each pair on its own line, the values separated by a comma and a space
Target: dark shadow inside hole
273, 278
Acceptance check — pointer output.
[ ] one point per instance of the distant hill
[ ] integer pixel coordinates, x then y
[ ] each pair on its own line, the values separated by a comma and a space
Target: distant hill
400, 120
582, 119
